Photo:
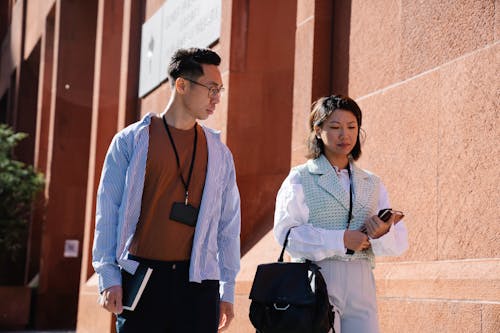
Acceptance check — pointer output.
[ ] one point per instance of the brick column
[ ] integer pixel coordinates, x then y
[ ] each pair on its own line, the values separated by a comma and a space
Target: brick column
69, 135
114, 106
313, 60
259, 124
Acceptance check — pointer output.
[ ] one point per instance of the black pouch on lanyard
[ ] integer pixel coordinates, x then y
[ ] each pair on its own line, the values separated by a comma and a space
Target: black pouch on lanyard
183, 213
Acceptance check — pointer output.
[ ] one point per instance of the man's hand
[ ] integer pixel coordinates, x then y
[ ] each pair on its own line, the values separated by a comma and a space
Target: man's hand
111, 299
376, 228
226, 315
356, 240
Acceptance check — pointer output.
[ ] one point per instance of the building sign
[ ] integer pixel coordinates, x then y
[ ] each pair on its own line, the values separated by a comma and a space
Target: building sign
149, 76
71, 248
178, 23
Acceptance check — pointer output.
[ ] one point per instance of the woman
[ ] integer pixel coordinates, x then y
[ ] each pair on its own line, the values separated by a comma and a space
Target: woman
315, 202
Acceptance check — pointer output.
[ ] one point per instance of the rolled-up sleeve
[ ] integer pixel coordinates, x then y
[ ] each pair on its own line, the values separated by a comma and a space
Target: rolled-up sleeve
305, 240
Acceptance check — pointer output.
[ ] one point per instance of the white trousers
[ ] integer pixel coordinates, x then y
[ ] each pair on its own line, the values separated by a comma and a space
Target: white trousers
351, 288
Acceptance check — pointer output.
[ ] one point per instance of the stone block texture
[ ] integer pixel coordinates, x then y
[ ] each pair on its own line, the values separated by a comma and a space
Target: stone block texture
425, 74
469, 156
391, 41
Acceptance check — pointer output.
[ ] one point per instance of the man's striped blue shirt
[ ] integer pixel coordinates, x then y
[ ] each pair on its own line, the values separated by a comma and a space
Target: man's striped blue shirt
216, 245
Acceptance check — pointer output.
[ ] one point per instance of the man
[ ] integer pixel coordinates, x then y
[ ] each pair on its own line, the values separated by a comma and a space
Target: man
168, 200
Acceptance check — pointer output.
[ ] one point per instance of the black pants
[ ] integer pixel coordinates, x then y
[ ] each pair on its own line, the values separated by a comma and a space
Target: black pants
171, 304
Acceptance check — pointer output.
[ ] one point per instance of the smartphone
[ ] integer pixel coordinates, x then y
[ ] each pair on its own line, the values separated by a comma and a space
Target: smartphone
385, 214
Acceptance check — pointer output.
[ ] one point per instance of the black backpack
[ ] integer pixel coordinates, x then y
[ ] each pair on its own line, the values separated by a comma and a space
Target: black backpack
289, 297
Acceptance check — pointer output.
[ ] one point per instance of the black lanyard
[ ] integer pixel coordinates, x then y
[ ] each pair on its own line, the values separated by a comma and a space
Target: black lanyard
186, 184
350, 196
349, 251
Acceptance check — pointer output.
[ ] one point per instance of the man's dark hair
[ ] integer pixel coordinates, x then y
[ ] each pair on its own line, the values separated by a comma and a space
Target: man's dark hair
187, 63
321, 110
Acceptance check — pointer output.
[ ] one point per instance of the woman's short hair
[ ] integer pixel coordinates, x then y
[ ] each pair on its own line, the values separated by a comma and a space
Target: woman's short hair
321, 110
187, 63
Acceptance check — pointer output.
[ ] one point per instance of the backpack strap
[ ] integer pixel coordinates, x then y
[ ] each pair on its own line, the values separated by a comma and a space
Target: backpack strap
312, 266
285, 243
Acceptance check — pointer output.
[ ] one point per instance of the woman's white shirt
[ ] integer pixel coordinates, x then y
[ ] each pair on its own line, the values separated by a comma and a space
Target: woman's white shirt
307, 241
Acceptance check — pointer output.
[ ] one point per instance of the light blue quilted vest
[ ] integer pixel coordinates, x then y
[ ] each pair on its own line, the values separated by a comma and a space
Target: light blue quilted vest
328, 201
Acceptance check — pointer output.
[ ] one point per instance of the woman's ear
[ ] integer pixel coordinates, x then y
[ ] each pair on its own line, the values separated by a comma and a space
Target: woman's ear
317, 131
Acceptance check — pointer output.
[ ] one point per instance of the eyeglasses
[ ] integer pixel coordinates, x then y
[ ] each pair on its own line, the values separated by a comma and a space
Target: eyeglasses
212, 91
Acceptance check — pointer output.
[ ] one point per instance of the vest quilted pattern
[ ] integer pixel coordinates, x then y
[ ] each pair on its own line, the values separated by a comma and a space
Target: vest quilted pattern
328, 202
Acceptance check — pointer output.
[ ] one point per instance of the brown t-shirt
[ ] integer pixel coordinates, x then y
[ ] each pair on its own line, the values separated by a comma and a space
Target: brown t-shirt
157, 236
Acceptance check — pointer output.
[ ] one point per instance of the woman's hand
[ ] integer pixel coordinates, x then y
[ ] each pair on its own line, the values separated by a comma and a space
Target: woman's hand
356, 240
376, 228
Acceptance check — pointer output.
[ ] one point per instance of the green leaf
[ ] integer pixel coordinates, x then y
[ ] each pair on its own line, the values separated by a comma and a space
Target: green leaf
19, 184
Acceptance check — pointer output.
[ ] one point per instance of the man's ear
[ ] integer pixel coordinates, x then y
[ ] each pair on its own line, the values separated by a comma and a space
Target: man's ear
180, 85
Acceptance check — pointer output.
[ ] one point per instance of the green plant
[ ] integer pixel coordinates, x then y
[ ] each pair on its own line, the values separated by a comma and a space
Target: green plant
19, 184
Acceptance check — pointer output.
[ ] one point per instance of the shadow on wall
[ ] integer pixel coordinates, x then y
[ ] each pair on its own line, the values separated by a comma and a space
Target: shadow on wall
341, 27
